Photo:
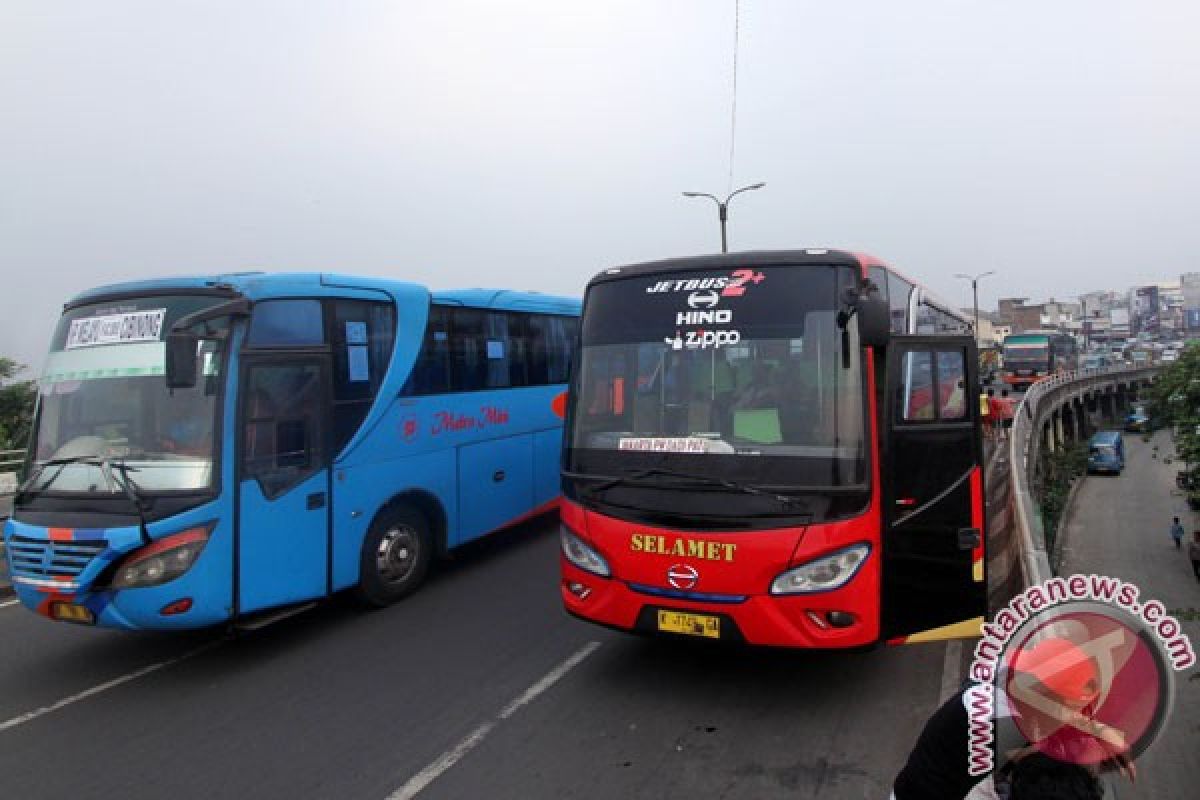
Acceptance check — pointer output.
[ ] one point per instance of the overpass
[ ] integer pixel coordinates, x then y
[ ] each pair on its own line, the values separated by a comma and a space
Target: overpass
1054, 412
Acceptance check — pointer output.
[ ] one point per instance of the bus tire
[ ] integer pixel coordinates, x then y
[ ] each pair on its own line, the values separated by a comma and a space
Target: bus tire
396, 554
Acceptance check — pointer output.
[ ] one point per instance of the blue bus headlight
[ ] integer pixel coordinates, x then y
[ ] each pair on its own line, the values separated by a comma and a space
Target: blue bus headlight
823, 574
581, 554
162, 561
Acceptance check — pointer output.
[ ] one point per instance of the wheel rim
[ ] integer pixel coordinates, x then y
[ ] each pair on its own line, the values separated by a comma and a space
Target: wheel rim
397, 555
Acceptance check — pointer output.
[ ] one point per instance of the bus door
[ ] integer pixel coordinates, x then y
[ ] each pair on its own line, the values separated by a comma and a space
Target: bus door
933, 565
283, 480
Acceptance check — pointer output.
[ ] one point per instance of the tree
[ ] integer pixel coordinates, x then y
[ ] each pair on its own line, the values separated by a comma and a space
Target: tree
1175, 400
16, 406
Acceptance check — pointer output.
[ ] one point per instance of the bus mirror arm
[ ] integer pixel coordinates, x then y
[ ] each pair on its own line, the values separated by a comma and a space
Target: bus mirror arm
183, 342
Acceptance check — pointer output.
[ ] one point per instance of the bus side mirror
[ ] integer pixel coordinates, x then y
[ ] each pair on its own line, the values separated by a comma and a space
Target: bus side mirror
874, 321
181, 359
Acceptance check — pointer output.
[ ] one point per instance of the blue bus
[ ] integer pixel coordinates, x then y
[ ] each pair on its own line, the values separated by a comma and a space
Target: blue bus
226, 449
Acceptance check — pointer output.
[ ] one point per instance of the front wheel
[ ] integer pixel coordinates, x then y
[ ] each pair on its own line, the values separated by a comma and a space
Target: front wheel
396, 554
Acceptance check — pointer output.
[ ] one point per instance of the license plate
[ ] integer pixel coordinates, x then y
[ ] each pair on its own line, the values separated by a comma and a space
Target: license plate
73, 612
689, 624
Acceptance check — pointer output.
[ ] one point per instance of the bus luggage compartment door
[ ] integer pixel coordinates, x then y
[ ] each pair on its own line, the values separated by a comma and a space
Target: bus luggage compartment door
933, 579
495, 484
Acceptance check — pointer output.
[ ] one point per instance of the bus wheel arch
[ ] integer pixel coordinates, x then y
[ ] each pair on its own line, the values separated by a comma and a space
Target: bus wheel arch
404, 538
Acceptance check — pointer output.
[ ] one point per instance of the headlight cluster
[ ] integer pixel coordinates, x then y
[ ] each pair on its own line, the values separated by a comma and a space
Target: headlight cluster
162, 561
823, 574
582, 555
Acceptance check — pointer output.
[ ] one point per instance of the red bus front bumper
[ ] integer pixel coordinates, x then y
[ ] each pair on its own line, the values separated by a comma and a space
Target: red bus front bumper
737, 592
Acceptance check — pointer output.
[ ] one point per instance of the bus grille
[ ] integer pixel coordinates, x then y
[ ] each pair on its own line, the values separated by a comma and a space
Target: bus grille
42, 562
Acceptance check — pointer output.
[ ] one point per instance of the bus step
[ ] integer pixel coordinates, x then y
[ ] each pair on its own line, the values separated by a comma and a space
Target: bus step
265, 618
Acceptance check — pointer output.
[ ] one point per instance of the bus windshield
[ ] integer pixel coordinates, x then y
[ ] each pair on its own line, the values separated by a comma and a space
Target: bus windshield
1026, 353
758, 385
103, 401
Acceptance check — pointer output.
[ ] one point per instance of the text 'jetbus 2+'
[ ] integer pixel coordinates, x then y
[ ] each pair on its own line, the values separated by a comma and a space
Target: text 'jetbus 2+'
208, 449
778, 448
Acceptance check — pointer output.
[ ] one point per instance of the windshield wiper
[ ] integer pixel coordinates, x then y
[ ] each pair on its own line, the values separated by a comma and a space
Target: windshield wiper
641, 474
27, 487
109, 468
130, 487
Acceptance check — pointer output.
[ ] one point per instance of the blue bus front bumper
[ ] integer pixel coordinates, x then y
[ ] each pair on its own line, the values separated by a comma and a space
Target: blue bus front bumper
53, 568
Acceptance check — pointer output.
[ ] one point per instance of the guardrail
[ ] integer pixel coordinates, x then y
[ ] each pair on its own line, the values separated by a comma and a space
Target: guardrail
1042, 399
10, 462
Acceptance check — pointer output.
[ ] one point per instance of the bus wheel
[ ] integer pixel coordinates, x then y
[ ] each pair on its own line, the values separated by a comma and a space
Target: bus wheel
395, 556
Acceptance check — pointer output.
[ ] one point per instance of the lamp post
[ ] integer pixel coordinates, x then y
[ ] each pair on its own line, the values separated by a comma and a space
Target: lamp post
974, 279
723, 207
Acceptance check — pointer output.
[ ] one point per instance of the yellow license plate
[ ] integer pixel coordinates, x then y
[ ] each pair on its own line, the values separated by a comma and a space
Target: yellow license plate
73, 612
689, 624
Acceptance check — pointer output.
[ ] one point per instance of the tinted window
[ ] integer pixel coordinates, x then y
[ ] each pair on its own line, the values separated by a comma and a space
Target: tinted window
551, 342
286, 323
469, 349
283, 431
933, 387
431, 372
898, 292
363, 334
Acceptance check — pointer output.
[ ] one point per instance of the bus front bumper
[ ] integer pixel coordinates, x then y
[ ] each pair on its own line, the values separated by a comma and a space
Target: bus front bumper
838, 619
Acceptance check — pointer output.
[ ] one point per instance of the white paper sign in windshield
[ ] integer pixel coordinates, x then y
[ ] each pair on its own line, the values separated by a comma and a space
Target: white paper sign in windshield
134, 326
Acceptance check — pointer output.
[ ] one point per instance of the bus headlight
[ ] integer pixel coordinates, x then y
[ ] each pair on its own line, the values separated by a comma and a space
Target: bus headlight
823, 574
581, 554
162, 561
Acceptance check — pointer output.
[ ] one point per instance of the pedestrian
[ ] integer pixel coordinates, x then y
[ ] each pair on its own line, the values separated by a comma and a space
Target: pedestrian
1177, 534
986, 402
1006, 404
1194, 553
996, 411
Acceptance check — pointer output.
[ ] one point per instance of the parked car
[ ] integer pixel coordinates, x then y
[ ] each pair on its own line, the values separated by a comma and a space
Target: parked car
1137, 420
1106, 453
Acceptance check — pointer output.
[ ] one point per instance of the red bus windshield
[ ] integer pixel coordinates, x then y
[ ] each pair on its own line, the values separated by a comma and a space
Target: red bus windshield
744, 377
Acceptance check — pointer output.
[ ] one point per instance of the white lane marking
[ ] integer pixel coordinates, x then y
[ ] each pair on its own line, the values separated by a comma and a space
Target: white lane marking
455, 754
104, 687
8, 603
951, 671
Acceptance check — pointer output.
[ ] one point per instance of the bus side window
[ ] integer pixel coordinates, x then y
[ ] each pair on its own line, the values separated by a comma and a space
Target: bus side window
468, 350
363, 334
916, 392
431, 373
952, 378
282, 417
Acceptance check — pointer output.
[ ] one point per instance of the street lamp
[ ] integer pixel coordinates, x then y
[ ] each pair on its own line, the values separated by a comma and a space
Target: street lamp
974, 279
723, 208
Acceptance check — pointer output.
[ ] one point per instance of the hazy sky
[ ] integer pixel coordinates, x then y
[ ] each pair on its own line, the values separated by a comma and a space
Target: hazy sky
531, 143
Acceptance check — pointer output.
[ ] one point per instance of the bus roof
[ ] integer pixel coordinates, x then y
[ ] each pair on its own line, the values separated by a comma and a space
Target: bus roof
509, 300
268, 285
750, 258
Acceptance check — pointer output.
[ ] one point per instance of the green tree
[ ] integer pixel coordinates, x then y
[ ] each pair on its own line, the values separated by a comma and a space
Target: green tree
16, 406
1175, 400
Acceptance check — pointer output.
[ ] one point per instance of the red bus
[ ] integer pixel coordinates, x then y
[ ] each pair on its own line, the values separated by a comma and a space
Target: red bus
775, 448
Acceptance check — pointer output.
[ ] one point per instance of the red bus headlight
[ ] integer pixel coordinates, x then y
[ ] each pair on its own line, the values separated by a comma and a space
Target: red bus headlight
162, 561
582, 555
822, 574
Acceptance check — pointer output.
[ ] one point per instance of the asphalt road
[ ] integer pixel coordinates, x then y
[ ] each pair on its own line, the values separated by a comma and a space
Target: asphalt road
1120, 527
478, 685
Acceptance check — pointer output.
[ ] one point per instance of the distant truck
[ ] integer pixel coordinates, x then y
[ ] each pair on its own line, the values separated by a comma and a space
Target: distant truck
1032, 356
